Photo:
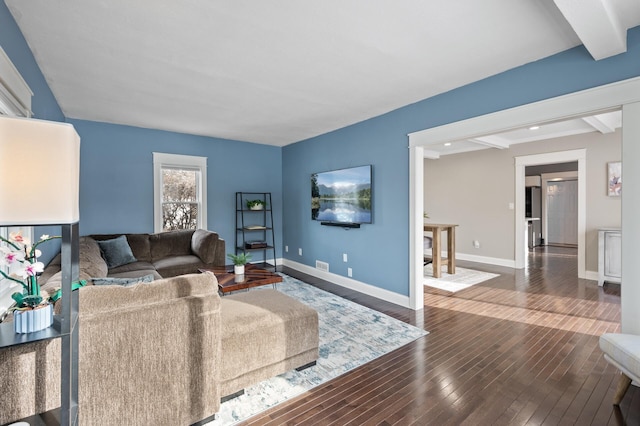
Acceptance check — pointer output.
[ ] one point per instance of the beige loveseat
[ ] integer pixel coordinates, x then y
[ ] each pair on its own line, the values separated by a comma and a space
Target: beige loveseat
161, 353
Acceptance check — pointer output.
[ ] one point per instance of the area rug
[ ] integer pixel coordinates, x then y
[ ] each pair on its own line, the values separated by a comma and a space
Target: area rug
463, 278
350, 335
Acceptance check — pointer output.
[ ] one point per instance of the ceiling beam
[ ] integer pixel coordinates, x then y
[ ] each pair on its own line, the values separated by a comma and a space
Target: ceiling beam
597, 25
492, 141
431, 155
600, 125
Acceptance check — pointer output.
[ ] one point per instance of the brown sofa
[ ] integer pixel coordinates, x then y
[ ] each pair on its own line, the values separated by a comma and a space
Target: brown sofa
162, 353
163, 255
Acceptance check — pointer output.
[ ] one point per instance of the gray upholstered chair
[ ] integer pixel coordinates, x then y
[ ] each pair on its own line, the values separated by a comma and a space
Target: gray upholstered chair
622, 351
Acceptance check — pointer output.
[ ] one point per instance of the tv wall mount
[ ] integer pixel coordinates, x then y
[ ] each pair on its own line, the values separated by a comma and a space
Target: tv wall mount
345, 225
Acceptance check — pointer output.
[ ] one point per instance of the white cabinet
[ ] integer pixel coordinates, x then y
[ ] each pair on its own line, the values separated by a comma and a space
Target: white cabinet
609, 255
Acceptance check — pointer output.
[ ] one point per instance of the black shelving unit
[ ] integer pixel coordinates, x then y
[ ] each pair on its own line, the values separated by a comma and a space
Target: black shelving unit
65, 327
255, 226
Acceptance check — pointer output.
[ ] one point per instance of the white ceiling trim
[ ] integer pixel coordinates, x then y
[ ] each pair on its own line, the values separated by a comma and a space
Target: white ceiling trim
578, 104
597, 25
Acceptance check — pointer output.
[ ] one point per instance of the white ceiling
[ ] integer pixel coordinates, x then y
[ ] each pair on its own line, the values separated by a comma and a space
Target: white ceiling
280, 71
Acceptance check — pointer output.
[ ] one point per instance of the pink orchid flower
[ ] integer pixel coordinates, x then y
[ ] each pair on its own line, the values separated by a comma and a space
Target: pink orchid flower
8, 257
32, 269
17, 237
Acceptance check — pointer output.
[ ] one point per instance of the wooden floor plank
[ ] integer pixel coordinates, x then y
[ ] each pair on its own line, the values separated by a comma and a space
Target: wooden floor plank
521, 348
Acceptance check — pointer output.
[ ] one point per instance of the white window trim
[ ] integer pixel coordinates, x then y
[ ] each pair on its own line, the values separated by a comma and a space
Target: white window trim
15, 94
161, 160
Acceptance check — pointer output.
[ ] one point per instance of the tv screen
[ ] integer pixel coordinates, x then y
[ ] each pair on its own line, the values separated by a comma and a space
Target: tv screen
342, 196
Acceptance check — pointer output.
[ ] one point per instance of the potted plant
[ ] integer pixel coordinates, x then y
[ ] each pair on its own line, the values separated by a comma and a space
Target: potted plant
256, 204
32, 311
239, 260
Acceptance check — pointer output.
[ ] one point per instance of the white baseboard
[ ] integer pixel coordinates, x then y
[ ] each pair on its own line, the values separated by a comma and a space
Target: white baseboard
509, 263
350, 283
278, 261
591, 275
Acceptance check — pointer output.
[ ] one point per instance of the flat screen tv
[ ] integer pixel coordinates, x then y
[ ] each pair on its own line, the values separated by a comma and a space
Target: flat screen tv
342, 197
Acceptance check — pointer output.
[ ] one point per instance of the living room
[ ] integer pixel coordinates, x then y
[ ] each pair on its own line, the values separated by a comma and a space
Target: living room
114, 156
116, 176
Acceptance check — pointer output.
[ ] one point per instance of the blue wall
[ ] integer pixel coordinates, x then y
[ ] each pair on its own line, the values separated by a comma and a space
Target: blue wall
116, 187
379, 253
370, 247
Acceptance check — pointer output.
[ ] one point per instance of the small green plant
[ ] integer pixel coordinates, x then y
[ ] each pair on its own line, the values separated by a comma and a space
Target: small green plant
239, 259
255, 203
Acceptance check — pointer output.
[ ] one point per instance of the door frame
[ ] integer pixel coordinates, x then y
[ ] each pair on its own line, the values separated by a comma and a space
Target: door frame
521, 162
598, 99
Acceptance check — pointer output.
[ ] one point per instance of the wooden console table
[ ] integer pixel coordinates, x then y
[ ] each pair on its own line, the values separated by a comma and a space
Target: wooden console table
436, 229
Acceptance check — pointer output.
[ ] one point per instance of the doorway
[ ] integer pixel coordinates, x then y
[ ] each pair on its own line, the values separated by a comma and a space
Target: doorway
603, 98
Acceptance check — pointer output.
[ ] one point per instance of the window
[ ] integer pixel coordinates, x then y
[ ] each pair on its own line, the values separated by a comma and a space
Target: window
15, 95
180, 192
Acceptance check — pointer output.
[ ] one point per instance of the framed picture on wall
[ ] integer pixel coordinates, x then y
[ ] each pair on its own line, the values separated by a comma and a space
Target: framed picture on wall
614, 179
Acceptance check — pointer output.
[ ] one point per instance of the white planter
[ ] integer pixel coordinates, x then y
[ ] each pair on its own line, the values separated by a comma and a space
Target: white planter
238, 269
257, 207
33, 320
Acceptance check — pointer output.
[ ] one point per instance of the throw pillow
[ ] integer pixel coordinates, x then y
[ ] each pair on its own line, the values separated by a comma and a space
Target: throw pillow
116, 252
125, 282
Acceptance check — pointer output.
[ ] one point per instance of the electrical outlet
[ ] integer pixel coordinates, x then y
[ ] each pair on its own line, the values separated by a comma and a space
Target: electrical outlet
476, 244
349, 272
299, 252
344, 257
286, 249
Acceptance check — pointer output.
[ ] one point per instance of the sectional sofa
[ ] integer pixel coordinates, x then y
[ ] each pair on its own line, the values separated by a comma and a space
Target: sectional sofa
164, 352
163, 255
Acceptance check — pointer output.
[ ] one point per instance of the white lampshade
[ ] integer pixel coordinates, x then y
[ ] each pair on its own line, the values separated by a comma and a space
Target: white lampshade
39, 172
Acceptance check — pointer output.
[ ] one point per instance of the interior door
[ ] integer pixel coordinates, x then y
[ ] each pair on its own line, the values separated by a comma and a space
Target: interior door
562, 212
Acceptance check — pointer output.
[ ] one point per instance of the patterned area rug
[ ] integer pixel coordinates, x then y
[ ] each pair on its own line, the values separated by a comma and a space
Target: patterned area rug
350, 335
463, 278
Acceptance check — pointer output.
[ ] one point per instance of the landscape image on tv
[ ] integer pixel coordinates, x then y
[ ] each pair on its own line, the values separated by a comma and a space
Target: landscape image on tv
342, 196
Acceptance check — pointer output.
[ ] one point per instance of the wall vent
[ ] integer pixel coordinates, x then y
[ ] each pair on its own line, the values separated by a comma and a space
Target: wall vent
323, 266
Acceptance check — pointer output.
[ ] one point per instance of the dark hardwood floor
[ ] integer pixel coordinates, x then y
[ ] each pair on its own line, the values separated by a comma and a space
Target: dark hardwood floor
519, 349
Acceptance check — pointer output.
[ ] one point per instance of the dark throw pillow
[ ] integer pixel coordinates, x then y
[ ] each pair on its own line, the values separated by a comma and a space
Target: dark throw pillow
116, 252
125, 282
